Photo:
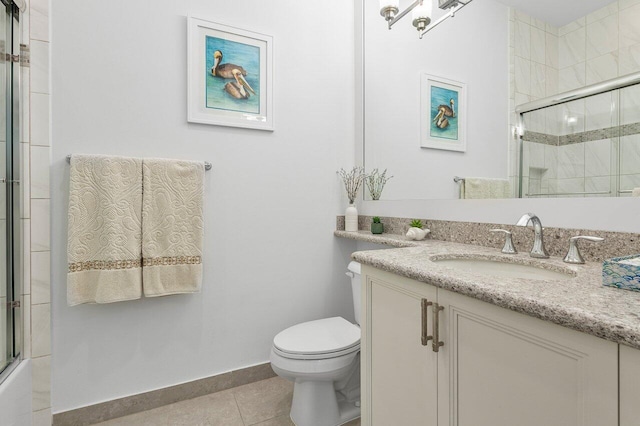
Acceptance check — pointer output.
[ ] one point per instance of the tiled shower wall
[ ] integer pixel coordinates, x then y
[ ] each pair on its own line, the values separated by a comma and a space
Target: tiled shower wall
602, 45
35, 144
533, 70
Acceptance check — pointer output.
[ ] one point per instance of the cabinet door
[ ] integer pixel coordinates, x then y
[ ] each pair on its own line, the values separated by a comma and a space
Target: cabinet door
502, 368
399, 373
629, 386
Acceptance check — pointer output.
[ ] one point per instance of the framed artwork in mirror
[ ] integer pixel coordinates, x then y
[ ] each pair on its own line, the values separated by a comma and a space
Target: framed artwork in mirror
230, 76
443, 118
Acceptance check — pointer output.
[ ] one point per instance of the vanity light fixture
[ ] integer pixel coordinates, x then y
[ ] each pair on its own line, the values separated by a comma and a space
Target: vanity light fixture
422, 9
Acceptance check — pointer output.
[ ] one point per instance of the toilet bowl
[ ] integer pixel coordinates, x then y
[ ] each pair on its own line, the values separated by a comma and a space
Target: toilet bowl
322, 358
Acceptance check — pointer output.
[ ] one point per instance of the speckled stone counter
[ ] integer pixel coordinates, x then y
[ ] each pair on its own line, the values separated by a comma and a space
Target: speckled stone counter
581, 303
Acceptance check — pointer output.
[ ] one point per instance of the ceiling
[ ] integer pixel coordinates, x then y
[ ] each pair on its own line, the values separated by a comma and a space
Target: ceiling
557, 12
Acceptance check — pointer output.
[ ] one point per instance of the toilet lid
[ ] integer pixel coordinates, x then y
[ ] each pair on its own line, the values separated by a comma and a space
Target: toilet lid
318, 337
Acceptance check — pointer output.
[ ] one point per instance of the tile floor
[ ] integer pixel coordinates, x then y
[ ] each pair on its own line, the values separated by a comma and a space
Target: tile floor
263, 403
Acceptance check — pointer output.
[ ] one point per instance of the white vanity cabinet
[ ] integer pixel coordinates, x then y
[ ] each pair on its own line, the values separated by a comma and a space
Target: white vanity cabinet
496, 367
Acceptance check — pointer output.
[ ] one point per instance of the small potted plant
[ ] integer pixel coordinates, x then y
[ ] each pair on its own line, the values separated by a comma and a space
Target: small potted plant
377, 227
415, 231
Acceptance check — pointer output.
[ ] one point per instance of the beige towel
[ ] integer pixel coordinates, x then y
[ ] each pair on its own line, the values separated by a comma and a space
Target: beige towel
172, 226
476, 188
635, 192
104, 233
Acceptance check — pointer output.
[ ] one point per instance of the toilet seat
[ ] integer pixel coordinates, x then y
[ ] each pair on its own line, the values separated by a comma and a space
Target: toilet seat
320, 339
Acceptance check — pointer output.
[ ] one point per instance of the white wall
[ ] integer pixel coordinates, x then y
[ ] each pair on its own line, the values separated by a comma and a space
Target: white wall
471, 48
119, 87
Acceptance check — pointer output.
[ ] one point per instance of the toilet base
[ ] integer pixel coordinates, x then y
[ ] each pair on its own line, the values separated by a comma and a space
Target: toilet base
329, 408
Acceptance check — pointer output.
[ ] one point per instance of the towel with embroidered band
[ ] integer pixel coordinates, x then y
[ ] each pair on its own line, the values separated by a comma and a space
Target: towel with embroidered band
104, 232
172, 226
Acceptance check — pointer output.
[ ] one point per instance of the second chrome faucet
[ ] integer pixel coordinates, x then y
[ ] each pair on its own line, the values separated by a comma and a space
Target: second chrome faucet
538, 249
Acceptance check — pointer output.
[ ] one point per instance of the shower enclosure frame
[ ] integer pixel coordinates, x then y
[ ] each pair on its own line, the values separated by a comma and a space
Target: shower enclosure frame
11, 181
563, 98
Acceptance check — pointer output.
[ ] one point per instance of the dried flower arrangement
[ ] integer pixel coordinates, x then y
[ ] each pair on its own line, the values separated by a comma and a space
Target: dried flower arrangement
375, 182
352, 181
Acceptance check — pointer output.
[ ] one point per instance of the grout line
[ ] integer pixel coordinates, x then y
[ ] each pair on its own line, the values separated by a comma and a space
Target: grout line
238, 407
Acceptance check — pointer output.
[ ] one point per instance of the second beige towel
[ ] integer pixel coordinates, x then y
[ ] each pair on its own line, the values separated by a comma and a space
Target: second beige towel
172, 226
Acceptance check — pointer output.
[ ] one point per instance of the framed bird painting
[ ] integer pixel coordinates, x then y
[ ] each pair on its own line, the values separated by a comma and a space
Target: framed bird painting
230, 76
443, 113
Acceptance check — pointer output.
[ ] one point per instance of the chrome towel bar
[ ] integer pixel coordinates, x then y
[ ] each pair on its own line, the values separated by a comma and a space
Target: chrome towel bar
207, 165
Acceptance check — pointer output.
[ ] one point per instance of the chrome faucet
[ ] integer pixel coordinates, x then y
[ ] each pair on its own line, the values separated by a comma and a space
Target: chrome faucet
538, 249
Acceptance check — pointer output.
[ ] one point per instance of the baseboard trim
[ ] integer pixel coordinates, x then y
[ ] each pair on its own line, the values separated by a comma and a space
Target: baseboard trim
146, 401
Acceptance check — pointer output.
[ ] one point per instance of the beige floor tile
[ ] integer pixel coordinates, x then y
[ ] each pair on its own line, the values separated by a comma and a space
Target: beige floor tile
217, 409
278, 421
264, 400
157, 416
263, 403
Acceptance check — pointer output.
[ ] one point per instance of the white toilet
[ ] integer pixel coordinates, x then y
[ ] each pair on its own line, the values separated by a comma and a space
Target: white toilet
322, 358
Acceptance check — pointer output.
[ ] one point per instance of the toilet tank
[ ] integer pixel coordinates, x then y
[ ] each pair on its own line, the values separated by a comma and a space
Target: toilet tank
354, 273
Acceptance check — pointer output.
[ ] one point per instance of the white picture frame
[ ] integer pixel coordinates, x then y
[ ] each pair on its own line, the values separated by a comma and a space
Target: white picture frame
216, 95
443, 113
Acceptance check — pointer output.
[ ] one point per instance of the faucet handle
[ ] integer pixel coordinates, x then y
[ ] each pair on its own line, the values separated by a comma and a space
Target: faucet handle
508, 242
573, 255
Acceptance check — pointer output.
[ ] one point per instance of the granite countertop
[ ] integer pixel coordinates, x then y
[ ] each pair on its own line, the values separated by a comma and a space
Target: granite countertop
581, 303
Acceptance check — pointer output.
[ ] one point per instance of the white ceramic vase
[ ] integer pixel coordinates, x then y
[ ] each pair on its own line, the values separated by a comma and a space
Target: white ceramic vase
351, 219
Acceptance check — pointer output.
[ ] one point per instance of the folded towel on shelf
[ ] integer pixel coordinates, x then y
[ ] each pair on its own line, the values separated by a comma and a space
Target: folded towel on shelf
104, 233
635, 192
476, 188
172, 226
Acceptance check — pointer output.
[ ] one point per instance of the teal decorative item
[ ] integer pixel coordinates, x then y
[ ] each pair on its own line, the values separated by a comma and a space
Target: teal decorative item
622, 272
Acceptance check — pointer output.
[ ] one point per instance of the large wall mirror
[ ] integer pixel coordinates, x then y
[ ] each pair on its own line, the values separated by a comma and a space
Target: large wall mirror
503, 55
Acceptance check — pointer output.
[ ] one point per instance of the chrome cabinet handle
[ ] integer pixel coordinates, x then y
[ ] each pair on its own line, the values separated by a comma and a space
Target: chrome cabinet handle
436, 327
573, 255
425, 332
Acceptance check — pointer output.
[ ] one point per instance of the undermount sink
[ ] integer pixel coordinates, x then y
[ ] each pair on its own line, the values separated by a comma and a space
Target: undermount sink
507, 269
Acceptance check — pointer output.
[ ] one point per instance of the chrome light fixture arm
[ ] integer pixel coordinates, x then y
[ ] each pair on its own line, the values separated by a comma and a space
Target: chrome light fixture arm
451, 14
389, 12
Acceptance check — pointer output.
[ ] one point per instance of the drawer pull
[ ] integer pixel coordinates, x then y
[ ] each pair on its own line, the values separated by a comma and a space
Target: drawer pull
425, 332
436, 327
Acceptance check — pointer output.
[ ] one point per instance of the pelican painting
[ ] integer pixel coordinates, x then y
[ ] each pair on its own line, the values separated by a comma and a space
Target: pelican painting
238, 89
224, 70
444, 119
233, 75
444, 111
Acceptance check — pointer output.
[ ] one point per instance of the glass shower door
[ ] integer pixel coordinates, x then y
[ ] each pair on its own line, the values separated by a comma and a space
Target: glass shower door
630, 141
10, 279
6, 314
